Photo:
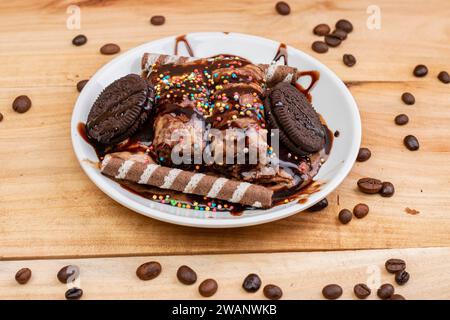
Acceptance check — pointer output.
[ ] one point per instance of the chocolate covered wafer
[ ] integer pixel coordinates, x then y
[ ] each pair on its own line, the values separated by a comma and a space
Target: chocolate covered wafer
125, 166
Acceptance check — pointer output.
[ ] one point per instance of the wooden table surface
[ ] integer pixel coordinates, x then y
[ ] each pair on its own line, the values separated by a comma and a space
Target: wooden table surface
50, 210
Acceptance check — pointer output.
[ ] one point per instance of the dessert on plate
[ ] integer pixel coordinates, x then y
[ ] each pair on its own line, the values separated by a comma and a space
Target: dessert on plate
215, 134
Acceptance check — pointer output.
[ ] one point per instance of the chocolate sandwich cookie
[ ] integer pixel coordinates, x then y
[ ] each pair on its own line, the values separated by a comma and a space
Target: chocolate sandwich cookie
288, 110
120, 110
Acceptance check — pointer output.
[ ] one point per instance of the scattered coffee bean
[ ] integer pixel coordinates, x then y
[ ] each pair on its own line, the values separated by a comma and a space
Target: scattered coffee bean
420, 70
1, 117
395, 265
252, 283
344, 25
283, 8
444, 77
402, 277
385, 291
272, 292
332, 291
157, 20
361, 290
411, 142
336, 134
149, 270
21, 104
401, 119
387, 189
79, 40
349, 60
322, 204
208, 287
74, 293
321, 29
364, 154
23, 275
186, 275
332, 41
397, 297
361, 210
345, 216
319, 46
340, 34
109, 48
81, 84
408, 98
369, 185
68, 274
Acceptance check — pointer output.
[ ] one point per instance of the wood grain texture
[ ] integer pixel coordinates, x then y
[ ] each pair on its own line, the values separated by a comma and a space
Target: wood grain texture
300, 275
49, 208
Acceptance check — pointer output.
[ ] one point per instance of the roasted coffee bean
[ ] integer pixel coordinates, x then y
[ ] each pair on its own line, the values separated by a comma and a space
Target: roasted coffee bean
369, 185
319, 46
397, 297
21, 104
444, 77
79, 40
387, 189
349, 60
364, 154
272, 292
81, 84
149, 270
361, 210
420, 70
208, 287
332, 41
340, 34
1, 117
321, 29
336, 134
345, 216
251, 283
109, 48
332, 291
157, 20
385, 291
322, 204
186, 275
283, 8
402, 277
23, 275
344, 25
401, 119
361, 290
411, 142
74, 293
395, 265
408, 98
68, 274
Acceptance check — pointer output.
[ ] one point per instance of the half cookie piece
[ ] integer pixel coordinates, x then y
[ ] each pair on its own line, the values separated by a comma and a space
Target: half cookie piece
288, 110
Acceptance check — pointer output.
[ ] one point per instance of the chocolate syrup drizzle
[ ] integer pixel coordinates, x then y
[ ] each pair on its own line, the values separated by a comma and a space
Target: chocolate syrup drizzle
183, 39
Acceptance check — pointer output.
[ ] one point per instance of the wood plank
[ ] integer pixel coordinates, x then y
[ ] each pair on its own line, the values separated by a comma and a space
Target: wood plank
300, 275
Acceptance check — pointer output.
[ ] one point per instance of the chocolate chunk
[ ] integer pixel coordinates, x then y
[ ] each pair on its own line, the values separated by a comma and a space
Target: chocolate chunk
319, 46
332, 41
157, 20
109, 48
23, 275
364, 154
361, 290
120, 110
369, 185
402, 277
81, 84
340, 34
420, 71
411, 143
444, 77
74, 294
79, 40
322, 204
21, 104
186, 275
68, 274
251, 283
345, 216
349, 60
385, 291
344, 25
283, 8
361, 210
408, 98
208, 287
321, 29
387, 189
272, 292
401, 119
395, 265
149, 270
332, 291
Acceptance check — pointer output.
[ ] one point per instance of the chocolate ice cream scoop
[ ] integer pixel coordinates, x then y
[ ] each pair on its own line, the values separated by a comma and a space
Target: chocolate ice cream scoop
288, 110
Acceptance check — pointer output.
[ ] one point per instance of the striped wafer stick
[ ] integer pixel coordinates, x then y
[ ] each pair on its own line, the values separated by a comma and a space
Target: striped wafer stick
131, 169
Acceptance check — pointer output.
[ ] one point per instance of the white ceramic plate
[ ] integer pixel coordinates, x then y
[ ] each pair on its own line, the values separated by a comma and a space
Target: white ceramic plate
331, 99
